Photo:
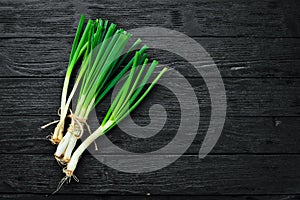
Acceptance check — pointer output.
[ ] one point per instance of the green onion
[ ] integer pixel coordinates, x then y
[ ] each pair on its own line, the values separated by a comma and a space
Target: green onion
98, 76
124, 103
100, 48
77, 51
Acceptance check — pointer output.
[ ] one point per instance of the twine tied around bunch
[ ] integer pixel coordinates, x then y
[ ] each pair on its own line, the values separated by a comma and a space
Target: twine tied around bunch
76, 121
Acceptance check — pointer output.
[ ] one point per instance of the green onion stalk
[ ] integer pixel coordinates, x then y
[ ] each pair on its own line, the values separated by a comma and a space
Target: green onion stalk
97, 75
79, 48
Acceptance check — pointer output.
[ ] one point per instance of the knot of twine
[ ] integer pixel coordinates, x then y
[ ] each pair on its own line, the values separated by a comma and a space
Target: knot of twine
77, 122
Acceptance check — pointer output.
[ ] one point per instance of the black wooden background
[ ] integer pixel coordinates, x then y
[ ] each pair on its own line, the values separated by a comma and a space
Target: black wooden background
256, 46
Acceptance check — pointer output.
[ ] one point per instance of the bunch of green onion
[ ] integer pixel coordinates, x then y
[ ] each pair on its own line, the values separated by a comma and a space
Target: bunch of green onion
99, 51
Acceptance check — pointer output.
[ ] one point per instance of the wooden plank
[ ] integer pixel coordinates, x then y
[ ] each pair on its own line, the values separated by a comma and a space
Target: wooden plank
196, 18
235, 57
145, 197
241, 135
189, 175
245, 97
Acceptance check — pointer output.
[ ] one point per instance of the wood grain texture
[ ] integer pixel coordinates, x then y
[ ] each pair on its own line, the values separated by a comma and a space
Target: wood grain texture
213, 175
255, 45
146, 197
235, 57
241, 135
267, 18
245, 97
